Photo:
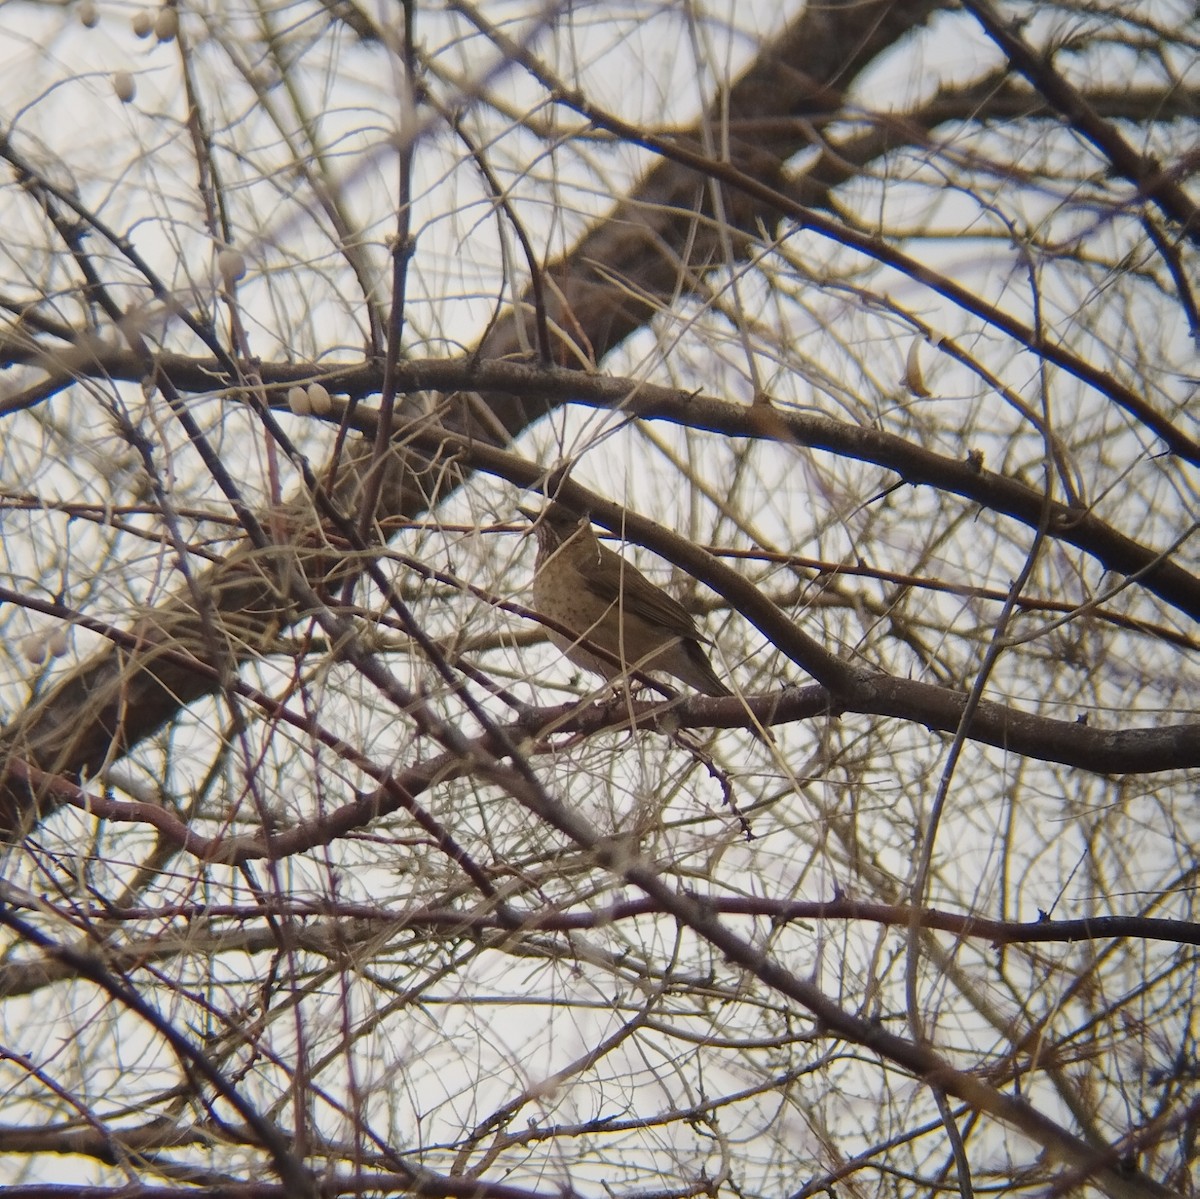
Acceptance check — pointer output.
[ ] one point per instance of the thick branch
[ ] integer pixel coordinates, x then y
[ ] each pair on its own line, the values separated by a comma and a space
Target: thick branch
107, 705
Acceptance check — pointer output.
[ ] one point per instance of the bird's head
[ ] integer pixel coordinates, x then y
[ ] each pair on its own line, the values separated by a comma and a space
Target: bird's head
554, 525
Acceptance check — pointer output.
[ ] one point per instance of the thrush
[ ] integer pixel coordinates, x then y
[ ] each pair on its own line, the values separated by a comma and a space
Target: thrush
608, 604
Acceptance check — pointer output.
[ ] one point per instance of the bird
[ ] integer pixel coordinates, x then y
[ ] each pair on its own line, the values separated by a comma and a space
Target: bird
607, 603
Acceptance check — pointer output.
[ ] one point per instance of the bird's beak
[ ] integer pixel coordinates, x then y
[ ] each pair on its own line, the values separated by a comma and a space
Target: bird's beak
531, 516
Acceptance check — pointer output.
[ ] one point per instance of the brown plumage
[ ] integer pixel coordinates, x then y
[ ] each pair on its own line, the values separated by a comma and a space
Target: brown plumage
607, 602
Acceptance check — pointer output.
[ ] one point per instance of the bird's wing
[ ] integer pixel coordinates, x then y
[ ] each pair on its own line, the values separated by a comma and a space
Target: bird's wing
636, 594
